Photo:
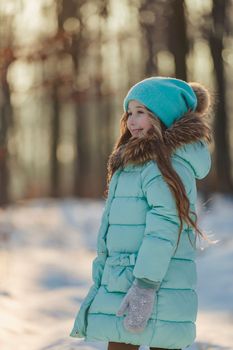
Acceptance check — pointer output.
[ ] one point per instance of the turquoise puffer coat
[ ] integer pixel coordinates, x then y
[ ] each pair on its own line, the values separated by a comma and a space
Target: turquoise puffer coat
137, 238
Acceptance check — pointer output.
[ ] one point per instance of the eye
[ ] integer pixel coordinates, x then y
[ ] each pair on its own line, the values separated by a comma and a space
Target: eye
139, 112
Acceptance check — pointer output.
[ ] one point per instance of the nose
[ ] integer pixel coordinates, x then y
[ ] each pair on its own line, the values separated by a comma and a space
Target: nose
131, 119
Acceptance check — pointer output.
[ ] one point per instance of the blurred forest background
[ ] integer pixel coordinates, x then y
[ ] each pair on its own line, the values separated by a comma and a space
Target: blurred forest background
65, 67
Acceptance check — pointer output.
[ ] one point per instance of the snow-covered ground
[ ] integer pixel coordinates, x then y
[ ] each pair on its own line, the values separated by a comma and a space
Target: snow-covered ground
46, 253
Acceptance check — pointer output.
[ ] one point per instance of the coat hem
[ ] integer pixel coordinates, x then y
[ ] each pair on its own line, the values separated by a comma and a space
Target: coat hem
89, 338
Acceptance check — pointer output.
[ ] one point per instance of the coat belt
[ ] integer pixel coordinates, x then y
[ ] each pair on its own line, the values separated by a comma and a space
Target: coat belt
124, 259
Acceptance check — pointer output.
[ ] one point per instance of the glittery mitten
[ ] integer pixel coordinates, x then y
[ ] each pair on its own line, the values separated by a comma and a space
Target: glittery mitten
138, 302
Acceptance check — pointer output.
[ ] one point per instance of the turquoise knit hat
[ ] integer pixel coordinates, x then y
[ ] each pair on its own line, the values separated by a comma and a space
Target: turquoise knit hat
168, 98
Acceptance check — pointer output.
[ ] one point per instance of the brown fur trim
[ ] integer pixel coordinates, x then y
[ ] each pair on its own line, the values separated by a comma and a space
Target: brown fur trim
190, 128
203, 97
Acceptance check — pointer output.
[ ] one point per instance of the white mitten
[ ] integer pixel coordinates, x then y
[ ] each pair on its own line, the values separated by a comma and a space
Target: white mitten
138, 302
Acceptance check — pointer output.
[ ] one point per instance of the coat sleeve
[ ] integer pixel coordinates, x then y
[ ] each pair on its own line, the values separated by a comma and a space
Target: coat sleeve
162, 224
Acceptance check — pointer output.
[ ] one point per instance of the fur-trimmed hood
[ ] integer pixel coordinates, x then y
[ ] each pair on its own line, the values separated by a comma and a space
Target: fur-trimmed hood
186, 139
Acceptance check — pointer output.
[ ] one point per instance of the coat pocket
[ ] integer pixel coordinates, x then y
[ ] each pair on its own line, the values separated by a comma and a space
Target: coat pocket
118, 272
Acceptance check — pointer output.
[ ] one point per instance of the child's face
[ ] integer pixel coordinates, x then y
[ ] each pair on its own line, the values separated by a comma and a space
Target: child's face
138, 121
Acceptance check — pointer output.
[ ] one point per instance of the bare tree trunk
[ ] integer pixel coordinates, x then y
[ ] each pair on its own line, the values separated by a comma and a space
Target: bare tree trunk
148, 28
221, 127
5, 112
55, 133
104, 109
178, 42
82, 160
82, 186
6, 120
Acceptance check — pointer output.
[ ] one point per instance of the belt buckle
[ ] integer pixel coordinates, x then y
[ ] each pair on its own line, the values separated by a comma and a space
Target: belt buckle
132, 259
124, 260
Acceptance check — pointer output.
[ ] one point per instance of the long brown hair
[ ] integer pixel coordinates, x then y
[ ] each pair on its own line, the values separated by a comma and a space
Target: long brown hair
163, 160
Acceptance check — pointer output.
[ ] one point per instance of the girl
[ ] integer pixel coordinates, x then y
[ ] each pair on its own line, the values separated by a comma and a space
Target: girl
145, 274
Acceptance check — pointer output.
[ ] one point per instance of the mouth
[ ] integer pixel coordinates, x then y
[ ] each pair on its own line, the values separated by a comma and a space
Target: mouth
136, 129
